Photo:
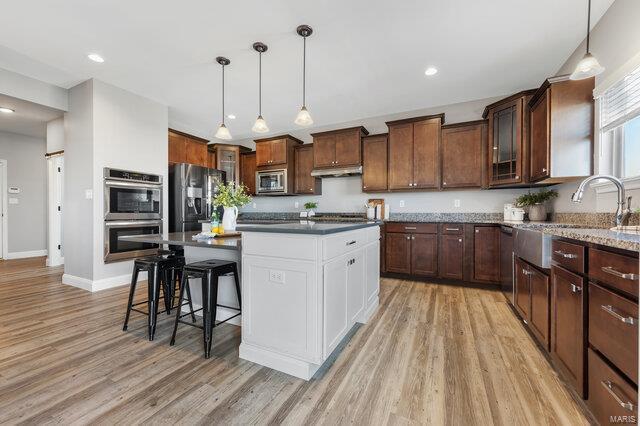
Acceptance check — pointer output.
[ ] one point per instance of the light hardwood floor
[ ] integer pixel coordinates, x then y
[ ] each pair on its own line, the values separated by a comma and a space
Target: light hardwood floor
432, 354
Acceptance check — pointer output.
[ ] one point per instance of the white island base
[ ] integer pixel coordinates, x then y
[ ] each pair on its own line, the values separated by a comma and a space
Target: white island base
302, 293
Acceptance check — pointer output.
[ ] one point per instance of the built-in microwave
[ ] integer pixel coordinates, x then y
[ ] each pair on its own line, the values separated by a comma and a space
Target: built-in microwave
272, 182
131, 195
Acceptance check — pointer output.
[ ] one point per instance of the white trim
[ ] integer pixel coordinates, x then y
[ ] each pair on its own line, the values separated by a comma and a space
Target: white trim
606, 187
55, 192
48, 263
26, 254
617, 75
293, 366
99, 285
4, 211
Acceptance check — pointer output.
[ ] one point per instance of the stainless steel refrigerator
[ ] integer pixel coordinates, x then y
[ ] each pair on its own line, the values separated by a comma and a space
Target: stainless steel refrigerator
191, 189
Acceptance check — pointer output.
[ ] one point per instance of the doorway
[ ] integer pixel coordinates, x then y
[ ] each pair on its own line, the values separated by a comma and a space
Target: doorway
3, 209
55, 190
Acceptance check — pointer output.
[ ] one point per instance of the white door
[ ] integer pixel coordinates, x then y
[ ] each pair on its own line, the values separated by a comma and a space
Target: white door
335, 303
355, 286
3, 194
56, 196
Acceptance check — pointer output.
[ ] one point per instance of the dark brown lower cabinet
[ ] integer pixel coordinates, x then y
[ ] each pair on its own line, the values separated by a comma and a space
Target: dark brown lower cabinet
398, 253
568, 342
539, 313
451, 255
486, 253
522, 289
424, 254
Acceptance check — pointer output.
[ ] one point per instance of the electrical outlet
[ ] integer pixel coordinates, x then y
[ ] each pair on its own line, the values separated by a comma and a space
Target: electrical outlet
276, 276
255, 205
296, 204
456, 203
401, 203
88, 194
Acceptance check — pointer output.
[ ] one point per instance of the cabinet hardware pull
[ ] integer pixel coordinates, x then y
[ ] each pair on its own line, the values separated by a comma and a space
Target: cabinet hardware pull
611, 311
517, 177
544, 170
477, 231
365, 187
627, 276
413, 237
408, 238
525, 272
451, 229
609, 387
575, 288
444, 183
351, 242
566, 255
459, 240
410, 227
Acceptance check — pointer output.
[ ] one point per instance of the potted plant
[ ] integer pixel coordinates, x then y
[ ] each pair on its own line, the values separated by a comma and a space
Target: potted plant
310, 205
535, 201
231, 196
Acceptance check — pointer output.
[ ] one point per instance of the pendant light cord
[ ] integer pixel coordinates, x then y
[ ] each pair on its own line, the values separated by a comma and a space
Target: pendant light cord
588, 24
260, 84
304, 71
223, 95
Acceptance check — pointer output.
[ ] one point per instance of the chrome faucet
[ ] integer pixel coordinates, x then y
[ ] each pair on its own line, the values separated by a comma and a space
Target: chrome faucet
624, 208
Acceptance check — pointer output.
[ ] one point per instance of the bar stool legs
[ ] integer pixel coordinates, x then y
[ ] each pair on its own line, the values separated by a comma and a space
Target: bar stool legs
209, 309
153, 289
132, 292
237, 282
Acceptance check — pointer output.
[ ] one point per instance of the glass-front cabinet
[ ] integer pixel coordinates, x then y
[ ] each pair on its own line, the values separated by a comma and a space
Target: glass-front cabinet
507, 140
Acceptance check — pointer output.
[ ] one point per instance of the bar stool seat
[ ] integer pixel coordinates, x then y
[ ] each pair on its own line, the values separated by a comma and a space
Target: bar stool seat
209, 271
163, 270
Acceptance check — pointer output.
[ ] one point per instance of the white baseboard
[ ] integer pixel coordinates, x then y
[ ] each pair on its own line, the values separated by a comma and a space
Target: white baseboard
48, 262
25, 254
295, 367
98, 285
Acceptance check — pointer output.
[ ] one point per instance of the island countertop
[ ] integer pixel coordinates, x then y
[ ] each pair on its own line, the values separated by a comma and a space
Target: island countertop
306, 227
186, 239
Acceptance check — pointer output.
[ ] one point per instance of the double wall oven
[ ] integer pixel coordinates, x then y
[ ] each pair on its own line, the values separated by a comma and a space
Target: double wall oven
132, 206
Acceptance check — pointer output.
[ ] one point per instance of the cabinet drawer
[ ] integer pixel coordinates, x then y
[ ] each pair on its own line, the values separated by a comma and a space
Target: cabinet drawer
413, 228
342, 243
609, 394
452, 228
613, 329
617, 270
571, 256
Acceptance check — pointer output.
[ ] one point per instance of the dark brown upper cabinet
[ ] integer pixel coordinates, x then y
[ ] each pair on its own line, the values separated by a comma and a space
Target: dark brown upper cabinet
414, 153
508, 136
275, 151
463, 146
338, 148
374, 163
304, 182
248, 171
561, 128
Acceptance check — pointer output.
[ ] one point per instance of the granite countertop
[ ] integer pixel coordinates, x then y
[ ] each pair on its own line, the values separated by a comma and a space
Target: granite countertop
306, 227
605, 237
185, 239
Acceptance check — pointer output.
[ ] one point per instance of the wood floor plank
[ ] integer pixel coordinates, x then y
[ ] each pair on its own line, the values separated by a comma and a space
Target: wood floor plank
431, 354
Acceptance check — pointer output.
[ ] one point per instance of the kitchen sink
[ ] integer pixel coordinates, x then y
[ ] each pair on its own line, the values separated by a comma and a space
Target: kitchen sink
633, 230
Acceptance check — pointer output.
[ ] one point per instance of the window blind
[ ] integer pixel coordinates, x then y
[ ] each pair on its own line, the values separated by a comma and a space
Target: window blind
621, 102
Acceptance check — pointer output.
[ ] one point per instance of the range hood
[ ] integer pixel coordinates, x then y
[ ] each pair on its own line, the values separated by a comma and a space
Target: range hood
337, 172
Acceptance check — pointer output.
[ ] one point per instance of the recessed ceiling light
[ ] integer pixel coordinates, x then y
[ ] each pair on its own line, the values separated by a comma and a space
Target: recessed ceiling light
231, 117
431, 71
7, 110
95, 57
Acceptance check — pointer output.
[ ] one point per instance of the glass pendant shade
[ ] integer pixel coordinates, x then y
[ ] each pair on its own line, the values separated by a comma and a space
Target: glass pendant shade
260, 126
223, 133
304, 118
587, 67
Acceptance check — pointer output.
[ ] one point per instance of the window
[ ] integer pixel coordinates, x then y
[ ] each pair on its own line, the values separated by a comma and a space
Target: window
619, 127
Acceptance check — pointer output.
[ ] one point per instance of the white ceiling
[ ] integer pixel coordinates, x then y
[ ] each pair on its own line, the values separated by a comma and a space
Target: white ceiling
366, 57
28, 119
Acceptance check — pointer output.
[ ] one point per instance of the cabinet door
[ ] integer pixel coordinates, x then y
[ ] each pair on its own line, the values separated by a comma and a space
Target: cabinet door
426, 159
540, 299
522, 290
505, 143
486, 253
567, 326
304, 182
196, 152
372, 283
451, 256
263, 154
401, 156
374, 164
356, 273
347, 149
540, 137
229, 162
177, 153
462, 156
278, 151
248, 171
398, 253
324, 151
424, 254
211, 162
335, 303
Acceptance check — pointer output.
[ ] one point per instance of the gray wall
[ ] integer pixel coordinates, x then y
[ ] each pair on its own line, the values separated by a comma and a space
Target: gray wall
26, 169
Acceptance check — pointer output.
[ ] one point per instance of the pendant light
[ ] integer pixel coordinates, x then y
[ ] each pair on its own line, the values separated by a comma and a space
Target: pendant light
588, 65
260, 126
304, 118
223, 132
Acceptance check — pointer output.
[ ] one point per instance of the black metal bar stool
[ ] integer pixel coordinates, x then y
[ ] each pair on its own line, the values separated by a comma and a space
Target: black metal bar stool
162, 269
208, 271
